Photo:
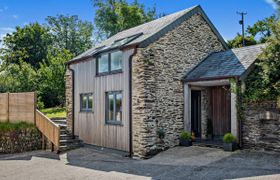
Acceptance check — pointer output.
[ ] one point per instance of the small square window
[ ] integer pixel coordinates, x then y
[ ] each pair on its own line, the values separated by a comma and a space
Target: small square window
86, 102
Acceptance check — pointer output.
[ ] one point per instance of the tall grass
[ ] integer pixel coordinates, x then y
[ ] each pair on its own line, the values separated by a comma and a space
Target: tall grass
6, 126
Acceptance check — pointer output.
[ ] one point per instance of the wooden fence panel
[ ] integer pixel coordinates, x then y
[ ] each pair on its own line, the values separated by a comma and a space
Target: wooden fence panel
22, 107
4, 114
18, 107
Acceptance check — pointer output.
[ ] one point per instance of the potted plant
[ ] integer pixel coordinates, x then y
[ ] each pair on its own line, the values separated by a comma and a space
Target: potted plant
229, 142
209, 129
185, 139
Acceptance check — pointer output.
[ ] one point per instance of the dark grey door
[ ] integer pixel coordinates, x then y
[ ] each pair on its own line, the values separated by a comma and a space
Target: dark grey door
196, 112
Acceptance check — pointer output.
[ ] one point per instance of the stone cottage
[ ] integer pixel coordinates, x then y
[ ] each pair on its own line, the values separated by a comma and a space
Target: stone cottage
139, 89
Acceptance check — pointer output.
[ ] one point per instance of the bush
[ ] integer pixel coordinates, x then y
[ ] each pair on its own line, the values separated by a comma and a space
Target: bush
185, 135
229, 138
6, 126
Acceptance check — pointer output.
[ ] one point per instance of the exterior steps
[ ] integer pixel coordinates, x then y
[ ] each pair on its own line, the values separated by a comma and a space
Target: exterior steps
209, 143
66, 140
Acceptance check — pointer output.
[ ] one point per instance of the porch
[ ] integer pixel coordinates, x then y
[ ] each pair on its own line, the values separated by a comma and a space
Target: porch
210, 111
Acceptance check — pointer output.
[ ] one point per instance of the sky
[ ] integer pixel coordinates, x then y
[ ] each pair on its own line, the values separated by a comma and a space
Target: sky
221, 12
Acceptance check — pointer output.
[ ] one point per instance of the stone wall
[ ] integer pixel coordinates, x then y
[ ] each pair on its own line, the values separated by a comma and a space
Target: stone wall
68, 99
157, 90
20, 140
205, 111
261, 126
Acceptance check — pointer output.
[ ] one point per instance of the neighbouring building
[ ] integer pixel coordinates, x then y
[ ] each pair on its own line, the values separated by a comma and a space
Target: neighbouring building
172, 74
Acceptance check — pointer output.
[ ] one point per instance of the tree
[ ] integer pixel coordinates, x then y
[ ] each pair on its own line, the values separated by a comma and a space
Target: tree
51, 78
28, 44
264, 81
113, 16
277, 2
237, 41
263, 28
70, 33
19, 77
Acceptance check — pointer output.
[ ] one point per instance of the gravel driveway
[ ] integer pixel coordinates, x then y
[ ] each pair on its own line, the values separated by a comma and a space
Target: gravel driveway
176, 163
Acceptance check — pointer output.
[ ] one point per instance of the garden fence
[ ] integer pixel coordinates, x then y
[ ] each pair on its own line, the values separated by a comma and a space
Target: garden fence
18, 107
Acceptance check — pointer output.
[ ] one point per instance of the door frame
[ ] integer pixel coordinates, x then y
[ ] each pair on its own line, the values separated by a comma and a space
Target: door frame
197, 110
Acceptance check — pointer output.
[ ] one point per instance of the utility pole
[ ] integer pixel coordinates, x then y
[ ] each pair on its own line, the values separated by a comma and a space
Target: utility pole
241, 22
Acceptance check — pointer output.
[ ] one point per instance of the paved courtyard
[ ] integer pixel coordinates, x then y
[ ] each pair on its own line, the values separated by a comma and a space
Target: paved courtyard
176, 163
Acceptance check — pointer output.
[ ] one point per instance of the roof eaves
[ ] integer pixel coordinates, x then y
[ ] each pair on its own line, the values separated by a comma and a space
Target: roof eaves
211, 78
124, 46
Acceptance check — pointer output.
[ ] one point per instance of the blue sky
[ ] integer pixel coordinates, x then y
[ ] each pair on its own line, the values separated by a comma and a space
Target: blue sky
221, 12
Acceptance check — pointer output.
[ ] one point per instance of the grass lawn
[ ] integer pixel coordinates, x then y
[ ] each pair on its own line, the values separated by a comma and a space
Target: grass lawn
54, 112
6, 126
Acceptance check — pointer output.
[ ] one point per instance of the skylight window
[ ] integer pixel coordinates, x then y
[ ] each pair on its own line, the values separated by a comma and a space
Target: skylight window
126, 40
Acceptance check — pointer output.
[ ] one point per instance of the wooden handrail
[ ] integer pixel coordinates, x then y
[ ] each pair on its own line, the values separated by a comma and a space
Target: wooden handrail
48, 127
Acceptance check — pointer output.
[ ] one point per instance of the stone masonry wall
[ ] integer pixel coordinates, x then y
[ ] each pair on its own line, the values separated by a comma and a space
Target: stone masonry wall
205, 111
261, 126
20, 140
157, 89
68, 98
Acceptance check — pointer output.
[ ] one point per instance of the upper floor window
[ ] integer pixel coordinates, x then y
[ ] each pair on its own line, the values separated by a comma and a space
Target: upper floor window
109, 63
86, 102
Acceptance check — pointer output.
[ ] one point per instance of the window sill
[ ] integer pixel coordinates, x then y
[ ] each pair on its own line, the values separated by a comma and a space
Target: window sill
109, 73
86, 111
114, 123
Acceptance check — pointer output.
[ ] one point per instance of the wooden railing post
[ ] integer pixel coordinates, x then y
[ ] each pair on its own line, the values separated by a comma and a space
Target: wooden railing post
35, 106
43, 142
52, 149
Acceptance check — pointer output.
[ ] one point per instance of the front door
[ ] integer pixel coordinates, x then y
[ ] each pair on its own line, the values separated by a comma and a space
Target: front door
196, 112
221, 112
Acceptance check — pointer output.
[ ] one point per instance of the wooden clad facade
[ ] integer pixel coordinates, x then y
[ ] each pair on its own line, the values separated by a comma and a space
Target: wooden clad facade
91, 127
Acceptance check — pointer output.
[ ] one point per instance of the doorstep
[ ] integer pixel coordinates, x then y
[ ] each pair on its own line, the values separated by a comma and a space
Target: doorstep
215, 143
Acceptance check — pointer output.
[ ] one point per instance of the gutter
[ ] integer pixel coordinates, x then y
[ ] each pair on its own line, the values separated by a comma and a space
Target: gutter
130, 102
209, 79
73, 100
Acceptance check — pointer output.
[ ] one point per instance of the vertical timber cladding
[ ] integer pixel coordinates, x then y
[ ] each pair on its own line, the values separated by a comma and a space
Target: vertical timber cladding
221, 116
90, 126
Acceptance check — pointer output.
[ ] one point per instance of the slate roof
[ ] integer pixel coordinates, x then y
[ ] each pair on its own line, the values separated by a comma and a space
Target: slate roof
148, 32
230, 63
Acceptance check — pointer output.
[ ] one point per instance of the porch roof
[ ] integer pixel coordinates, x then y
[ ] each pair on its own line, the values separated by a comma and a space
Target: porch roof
230, 63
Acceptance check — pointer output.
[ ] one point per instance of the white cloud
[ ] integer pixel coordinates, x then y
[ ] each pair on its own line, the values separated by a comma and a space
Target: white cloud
3, 32
272, 3
15, 16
